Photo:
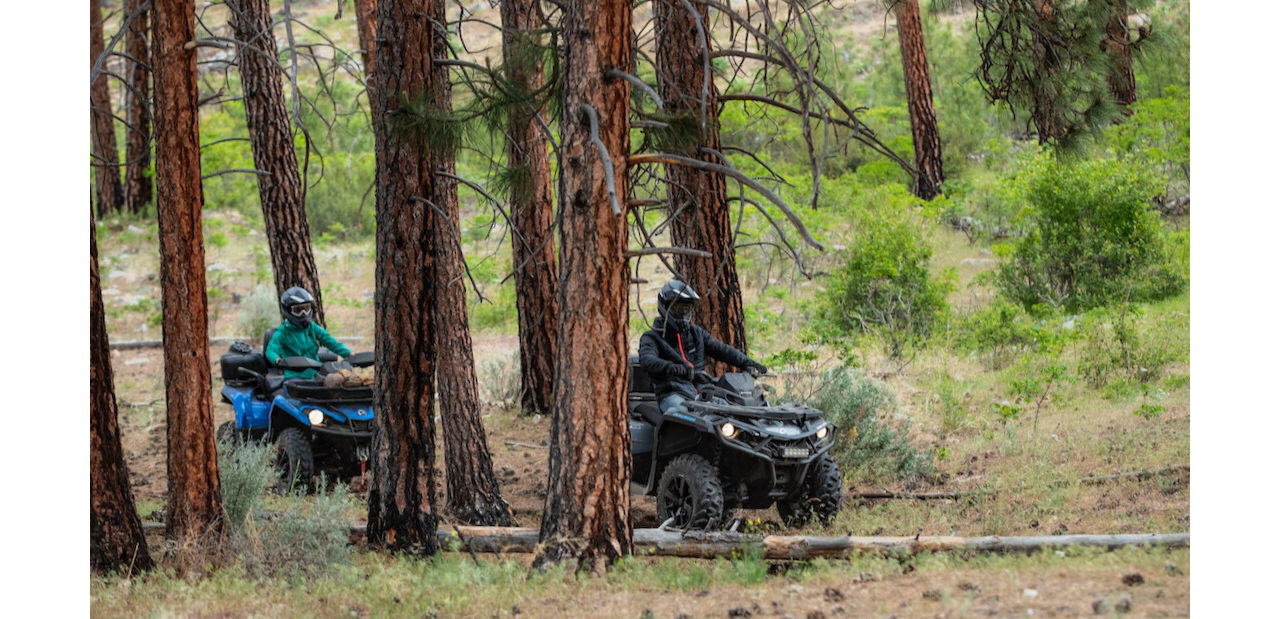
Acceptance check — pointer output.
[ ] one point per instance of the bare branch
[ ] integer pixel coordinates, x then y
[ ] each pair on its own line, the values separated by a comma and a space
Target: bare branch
670, 158
604, 155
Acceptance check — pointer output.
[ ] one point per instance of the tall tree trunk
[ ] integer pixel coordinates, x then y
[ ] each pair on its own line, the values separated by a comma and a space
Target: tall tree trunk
533, 256
271, 137
195, 503
105, 156
402, 500
1116, 43
366, 27
472, 490
137, 185
697, 198
924, 124
115, 532
1044, 112
587, 513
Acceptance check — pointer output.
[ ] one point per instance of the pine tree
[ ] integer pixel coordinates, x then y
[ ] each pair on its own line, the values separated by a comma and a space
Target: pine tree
137, 185
106, 167
696, 199
194, 510
924, 123
586, 518
271, 137
115, 532
532, 212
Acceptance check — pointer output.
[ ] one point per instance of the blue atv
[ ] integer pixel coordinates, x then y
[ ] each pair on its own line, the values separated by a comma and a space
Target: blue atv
314, 427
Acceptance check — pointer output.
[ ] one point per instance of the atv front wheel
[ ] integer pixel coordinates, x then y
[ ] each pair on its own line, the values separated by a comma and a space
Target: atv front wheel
689, 490
820, 496
293, 461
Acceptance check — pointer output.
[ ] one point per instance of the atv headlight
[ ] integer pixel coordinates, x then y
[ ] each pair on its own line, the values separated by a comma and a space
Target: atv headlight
823, 432
728, 430
315, 417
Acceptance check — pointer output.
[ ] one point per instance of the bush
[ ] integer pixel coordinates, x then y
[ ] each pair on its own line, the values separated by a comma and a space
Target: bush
1118, 347
885, 286
245, 473
1092, 240
258, 312
866, 445
500, 380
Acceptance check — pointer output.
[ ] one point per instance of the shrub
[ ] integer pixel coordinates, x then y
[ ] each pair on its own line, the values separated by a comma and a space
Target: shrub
500, 380
1118, 347
258, 312
885, 286
867, 445
244, 473
1093, 240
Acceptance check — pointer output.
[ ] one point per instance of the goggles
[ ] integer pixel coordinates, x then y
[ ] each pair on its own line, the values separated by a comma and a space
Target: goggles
301, 309
681, 310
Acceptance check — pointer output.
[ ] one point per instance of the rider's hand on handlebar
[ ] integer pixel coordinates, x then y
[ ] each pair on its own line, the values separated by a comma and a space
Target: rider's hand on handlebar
756, 370
682, 372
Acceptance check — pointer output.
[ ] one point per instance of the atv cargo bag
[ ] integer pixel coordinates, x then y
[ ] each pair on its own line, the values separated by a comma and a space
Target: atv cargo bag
232, 362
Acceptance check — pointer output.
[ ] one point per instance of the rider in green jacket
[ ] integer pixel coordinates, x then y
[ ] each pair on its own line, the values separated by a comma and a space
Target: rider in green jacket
297, 336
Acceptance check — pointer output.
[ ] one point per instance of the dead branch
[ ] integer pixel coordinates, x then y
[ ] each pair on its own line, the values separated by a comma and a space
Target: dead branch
670, 158
683, 251
604, 155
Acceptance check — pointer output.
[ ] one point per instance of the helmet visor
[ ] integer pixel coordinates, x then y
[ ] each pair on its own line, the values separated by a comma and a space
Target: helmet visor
681, 310
301, 309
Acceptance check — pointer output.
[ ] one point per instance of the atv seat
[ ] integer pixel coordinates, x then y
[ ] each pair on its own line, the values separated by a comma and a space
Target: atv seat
647, 411
640, 381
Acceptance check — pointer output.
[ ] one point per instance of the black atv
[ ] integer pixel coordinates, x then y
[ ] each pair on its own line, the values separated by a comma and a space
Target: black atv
729, 449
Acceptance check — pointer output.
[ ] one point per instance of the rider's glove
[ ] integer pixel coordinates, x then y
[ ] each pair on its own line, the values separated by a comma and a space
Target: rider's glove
683, 372
757, 369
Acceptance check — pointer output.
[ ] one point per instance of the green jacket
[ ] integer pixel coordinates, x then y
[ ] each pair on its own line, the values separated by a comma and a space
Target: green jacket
293, 341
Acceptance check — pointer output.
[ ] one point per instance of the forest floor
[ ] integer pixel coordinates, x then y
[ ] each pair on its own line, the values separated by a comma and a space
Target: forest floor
1025, 474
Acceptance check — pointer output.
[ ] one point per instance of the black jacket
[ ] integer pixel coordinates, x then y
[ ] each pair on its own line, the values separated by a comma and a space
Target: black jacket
660, 354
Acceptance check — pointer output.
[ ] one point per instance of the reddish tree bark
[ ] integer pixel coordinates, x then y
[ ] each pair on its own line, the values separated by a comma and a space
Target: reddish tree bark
924, 123
271, 137
587, 513
366, 27
533, 255
697, 198
106, 166
115, 532
402, 498
195, 503
137, 185
1116, 43
472, 490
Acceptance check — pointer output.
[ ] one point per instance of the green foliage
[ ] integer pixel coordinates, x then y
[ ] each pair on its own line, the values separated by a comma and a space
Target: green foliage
244, 473
1118, 346
1159, 135
258, 312
867, 445
884, 285
1092, 240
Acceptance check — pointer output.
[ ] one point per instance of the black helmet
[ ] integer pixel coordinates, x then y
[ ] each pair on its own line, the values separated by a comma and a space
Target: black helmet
675, 304
297, 306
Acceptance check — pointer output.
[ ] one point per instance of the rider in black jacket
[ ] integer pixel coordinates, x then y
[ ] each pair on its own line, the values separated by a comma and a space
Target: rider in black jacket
675, 349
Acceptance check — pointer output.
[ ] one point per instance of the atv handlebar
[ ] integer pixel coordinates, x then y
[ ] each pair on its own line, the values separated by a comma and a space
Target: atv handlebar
361, 359
299, 363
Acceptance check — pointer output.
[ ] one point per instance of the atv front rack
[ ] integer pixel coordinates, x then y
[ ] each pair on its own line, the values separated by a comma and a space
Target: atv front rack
784, 412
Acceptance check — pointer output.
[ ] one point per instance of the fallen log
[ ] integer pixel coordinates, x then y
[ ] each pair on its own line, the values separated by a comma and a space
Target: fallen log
954, 496
135, 344
707, 545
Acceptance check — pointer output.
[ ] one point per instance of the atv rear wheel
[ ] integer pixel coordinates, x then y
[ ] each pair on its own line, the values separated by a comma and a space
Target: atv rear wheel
820, 496
689, 490
227, 433
293, 461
